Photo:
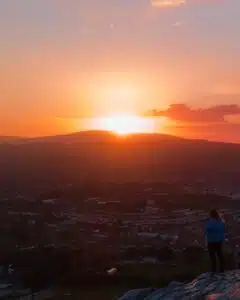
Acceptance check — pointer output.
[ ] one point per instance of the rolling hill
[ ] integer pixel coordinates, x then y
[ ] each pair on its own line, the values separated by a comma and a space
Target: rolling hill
94, 155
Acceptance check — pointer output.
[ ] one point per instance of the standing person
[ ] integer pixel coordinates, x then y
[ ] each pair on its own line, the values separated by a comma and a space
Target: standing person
237, 257
214, 233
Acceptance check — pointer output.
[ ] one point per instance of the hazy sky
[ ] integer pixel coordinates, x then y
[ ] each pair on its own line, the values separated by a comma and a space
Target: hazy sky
66, 59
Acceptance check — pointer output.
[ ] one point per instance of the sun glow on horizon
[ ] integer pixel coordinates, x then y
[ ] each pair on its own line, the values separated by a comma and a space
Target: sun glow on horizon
126, 124
119, 105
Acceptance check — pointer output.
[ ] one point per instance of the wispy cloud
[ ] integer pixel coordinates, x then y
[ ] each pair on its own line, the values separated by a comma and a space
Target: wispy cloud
178, 3
177, 24
167, 3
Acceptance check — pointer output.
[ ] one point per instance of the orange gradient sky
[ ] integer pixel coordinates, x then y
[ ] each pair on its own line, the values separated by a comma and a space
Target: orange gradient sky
74, 65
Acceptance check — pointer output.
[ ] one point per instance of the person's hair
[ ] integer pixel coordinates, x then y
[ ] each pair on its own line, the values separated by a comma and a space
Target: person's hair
214, 214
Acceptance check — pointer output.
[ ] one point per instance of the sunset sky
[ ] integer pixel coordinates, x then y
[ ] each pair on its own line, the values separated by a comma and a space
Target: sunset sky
68, 64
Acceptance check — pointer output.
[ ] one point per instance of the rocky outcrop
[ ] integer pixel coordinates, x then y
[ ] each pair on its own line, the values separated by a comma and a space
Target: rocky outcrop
206, 286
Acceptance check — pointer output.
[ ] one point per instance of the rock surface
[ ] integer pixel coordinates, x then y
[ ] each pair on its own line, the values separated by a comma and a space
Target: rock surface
206, 286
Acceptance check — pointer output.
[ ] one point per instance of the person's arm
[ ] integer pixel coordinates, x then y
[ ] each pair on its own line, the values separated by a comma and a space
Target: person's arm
205, 236
207, 228
205, 241
224, 231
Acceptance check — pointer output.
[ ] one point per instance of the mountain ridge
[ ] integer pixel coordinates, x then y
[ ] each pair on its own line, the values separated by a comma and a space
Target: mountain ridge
105, 134
89, 134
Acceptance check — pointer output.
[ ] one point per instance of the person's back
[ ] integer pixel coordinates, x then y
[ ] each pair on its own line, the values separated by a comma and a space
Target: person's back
214, 233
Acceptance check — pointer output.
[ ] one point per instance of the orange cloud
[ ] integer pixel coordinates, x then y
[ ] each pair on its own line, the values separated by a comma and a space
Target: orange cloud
184, 113
215, 123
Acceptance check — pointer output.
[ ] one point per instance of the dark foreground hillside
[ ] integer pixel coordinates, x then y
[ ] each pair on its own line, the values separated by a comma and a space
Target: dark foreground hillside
206, 286
61, 273
72, 159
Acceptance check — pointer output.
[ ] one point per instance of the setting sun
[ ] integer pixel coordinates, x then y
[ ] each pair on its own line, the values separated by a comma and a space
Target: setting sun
123, 124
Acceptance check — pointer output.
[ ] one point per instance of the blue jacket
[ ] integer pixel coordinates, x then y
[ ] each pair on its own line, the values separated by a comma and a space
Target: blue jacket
214, 231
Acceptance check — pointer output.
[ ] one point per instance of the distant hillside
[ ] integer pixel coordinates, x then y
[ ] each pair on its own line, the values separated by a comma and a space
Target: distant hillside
104, 156
98, 136
7, 139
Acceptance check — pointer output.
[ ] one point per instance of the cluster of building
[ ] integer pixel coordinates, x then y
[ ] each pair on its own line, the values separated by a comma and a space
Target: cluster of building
160, 219
116, 229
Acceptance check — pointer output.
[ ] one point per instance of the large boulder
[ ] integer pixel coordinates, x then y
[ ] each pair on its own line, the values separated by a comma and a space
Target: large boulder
206, 286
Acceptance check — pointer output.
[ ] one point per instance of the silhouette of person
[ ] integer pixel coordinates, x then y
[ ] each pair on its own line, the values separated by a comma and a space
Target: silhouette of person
214, 234
237, 257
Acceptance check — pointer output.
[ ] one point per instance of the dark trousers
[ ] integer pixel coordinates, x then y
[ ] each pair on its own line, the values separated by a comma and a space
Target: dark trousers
215, 251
